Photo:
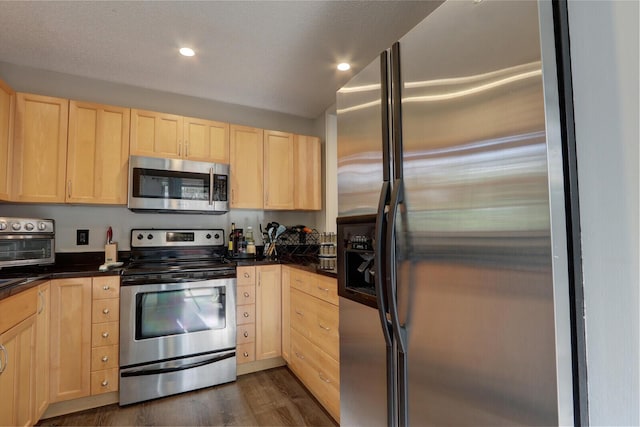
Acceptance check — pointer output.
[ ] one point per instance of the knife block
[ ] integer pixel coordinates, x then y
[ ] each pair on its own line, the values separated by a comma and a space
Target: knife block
110, 253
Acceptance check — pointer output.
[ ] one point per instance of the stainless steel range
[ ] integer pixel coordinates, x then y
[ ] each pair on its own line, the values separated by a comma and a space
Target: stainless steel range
177, 314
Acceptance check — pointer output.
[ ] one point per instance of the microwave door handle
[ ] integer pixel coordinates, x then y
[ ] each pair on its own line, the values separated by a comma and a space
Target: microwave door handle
211, 178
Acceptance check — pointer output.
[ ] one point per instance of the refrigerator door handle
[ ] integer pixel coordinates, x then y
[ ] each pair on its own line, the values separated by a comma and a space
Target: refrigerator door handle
398, 331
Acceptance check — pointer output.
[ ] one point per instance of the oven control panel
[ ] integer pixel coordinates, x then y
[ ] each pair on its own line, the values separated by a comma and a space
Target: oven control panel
148, 238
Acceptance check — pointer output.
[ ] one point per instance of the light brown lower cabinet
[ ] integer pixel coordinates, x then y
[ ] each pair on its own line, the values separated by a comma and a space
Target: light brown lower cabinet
17, 358
314, 336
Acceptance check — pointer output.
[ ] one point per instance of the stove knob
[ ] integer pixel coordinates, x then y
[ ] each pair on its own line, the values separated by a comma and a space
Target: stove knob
16, 226
217, 236
140, 237
28, 226
208, 236
150, 236
3, 225
42, 226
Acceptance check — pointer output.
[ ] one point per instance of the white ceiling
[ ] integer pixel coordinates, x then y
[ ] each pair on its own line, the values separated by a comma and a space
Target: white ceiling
274, 55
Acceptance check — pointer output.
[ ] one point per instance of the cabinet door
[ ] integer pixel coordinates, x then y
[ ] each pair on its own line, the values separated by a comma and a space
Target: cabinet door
98, 154
307, 173
245, 157
268, 312
17, 350
286, 315
41, 392
40, 148
70, 338
278, 170
7, 103
206, 140
156, 134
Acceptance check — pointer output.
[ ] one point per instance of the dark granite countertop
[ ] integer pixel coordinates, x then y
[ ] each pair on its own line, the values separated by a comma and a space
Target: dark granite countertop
17, 279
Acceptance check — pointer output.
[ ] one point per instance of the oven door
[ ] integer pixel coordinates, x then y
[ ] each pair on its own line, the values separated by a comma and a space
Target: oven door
173, 185
173, 320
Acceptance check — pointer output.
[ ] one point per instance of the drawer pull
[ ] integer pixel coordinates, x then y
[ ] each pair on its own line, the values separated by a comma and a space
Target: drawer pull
323, 289
299, 313
105, 311
105, 358
246, 295
299, 281
299, 356
106, 287
41, 295
246, 314
246, 334
322, 377
324, 327
105, 335
247, 275
245, 354
104, 383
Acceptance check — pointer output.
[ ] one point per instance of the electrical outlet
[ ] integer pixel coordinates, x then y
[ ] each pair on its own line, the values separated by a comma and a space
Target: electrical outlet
82, 237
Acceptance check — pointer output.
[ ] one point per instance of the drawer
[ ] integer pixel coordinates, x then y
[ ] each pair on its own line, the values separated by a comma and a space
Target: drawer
104, 381
106, 287
245, 353
105, 310
246, 276
17, 308
317, 321
246, 314
302, 280
326, 288
104, 334
246, 333
318, 371
105, 357
246, 295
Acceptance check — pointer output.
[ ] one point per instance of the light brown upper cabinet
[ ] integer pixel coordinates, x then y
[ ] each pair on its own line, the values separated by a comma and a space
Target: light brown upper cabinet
307, 162
40, 148
156, 134
278, 170
206, 140
98, 154
7, 103
170, 136
246, 168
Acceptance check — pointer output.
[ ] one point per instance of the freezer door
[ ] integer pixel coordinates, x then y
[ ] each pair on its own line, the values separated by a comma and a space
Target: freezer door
473, 242
363, 363
361, 152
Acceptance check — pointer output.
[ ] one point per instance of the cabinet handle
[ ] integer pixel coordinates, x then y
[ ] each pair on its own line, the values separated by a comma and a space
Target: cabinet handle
233, 199
106, 288
245, 354
246, 334
324, 327
322, 377
3, 365
104, 383
299, 356
246, 294
299, 313
105, 335
186, 148
246, 314
323, 289
259, 279
69, 188
298, 280
105, 311
41, 296
179, 148
246, 275
105, 358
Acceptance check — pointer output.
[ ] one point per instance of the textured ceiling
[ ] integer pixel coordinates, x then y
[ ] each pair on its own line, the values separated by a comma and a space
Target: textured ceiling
274, 55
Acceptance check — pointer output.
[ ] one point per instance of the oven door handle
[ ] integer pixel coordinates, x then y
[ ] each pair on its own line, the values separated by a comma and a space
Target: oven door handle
156, 371
142, 281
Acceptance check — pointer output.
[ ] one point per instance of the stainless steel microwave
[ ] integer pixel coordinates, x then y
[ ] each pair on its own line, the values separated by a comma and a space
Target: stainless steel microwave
178, 186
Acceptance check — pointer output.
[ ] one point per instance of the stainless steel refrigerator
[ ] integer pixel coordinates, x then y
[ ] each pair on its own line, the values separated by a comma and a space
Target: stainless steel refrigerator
452, 267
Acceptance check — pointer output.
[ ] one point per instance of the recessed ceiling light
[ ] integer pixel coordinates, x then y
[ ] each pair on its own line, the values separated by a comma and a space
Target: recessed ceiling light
186, 51
343, 66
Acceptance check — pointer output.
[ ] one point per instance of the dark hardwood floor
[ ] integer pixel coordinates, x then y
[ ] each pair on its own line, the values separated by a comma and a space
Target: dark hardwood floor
273, 397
